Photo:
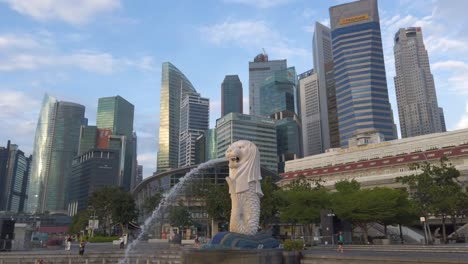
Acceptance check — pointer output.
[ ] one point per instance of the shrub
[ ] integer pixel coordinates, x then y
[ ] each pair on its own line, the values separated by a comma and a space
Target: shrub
293, 245
97, 239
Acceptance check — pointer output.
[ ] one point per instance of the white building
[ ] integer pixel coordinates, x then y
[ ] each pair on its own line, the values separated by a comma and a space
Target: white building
380, 164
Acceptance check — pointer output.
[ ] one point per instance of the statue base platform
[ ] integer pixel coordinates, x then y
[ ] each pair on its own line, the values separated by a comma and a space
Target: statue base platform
240, 241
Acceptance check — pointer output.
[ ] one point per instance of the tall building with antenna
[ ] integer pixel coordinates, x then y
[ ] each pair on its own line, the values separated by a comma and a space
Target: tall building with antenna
260, 69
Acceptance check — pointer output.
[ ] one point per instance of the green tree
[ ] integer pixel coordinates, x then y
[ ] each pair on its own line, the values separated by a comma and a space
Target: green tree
364, 206
80, 221
217, 201
269, 203
436, 190
150, 204
124, 210
113, 206
179, 216
301, 202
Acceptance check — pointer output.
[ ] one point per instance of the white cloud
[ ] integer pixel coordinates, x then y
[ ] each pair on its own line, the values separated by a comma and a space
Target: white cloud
251, 34
75, 12
463, 122
453, 75
31, 52
19, 112
260, 3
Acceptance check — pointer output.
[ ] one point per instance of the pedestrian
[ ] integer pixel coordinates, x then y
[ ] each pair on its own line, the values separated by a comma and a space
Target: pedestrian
82, 248
121, 242
68, 242
340, 242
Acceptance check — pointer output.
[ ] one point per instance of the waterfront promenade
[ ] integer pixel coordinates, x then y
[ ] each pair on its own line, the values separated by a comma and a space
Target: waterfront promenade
161, 253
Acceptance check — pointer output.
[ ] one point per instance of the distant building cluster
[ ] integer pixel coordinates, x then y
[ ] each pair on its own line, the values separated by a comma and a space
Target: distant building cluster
334, 120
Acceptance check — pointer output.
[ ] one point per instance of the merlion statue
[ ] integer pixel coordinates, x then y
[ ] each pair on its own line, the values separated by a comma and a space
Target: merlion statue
244, 187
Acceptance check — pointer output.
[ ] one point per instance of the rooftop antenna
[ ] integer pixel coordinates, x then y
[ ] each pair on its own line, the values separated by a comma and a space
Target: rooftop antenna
265, 54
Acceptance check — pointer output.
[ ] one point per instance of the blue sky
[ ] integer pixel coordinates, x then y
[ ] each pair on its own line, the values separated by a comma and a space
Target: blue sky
80, 50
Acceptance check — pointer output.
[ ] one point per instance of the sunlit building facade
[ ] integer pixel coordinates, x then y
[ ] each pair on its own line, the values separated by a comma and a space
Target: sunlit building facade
55, 146
173, 83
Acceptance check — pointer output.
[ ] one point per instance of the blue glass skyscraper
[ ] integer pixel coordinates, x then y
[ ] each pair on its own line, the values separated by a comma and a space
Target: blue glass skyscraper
361, 85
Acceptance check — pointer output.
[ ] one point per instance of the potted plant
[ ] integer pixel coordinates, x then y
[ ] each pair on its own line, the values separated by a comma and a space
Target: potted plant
292, 251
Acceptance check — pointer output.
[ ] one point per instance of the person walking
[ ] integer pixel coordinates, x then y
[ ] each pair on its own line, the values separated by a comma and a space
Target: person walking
122, 242
340, 242
68, 242
82, 248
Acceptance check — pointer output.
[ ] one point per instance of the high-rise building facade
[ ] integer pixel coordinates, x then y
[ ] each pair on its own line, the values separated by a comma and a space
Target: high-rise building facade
323, 66
416, 95
92, 171
359, 69
116, 114
14, 176
56, 144
259, 130
277, 92
194, 120
259, 70
231, 95
206, 146
173, 81
309, 109
442, 120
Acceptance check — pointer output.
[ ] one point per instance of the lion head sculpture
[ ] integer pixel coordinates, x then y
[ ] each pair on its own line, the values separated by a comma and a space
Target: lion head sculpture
244, 165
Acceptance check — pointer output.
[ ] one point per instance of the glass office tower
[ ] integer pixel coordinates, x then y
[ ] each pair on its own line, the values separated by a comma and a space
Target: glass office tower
116, 114
361, 85
55, 146
259, 70
231, 95
173, 82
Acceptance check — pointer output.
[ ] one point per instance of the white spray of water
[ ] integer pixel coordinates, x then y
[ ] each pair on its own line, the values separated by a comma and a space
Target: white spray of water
168, 199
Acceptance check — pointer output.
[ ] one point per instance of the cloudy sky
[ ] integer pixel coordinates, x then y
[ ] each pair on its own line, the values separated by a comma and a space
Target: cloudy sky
80, 50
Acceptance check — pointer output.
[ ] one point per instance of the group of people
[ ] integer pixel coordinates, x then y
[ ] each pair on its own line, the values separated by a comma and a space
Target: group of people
68, 241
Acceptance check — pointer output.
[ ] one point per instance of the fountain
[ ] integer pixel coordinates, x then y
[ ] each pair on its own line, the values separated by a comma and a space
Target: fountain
167, 199
245, 190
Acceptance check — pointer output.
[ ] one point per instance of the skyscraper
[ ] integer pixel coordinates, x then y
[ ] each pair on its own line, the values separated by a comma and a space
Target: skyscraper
194, 121
323, 66
116, 114
173, 81
14, 176
416, 95
277, 102
309, 109
361, 86
259, 70
277, 92
259, 130
92, 171
231, 95
55, 146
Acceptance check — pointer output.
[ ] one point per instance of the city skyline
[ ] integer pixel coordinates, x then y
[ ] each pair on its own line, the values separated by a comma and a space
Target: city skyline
80, 58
